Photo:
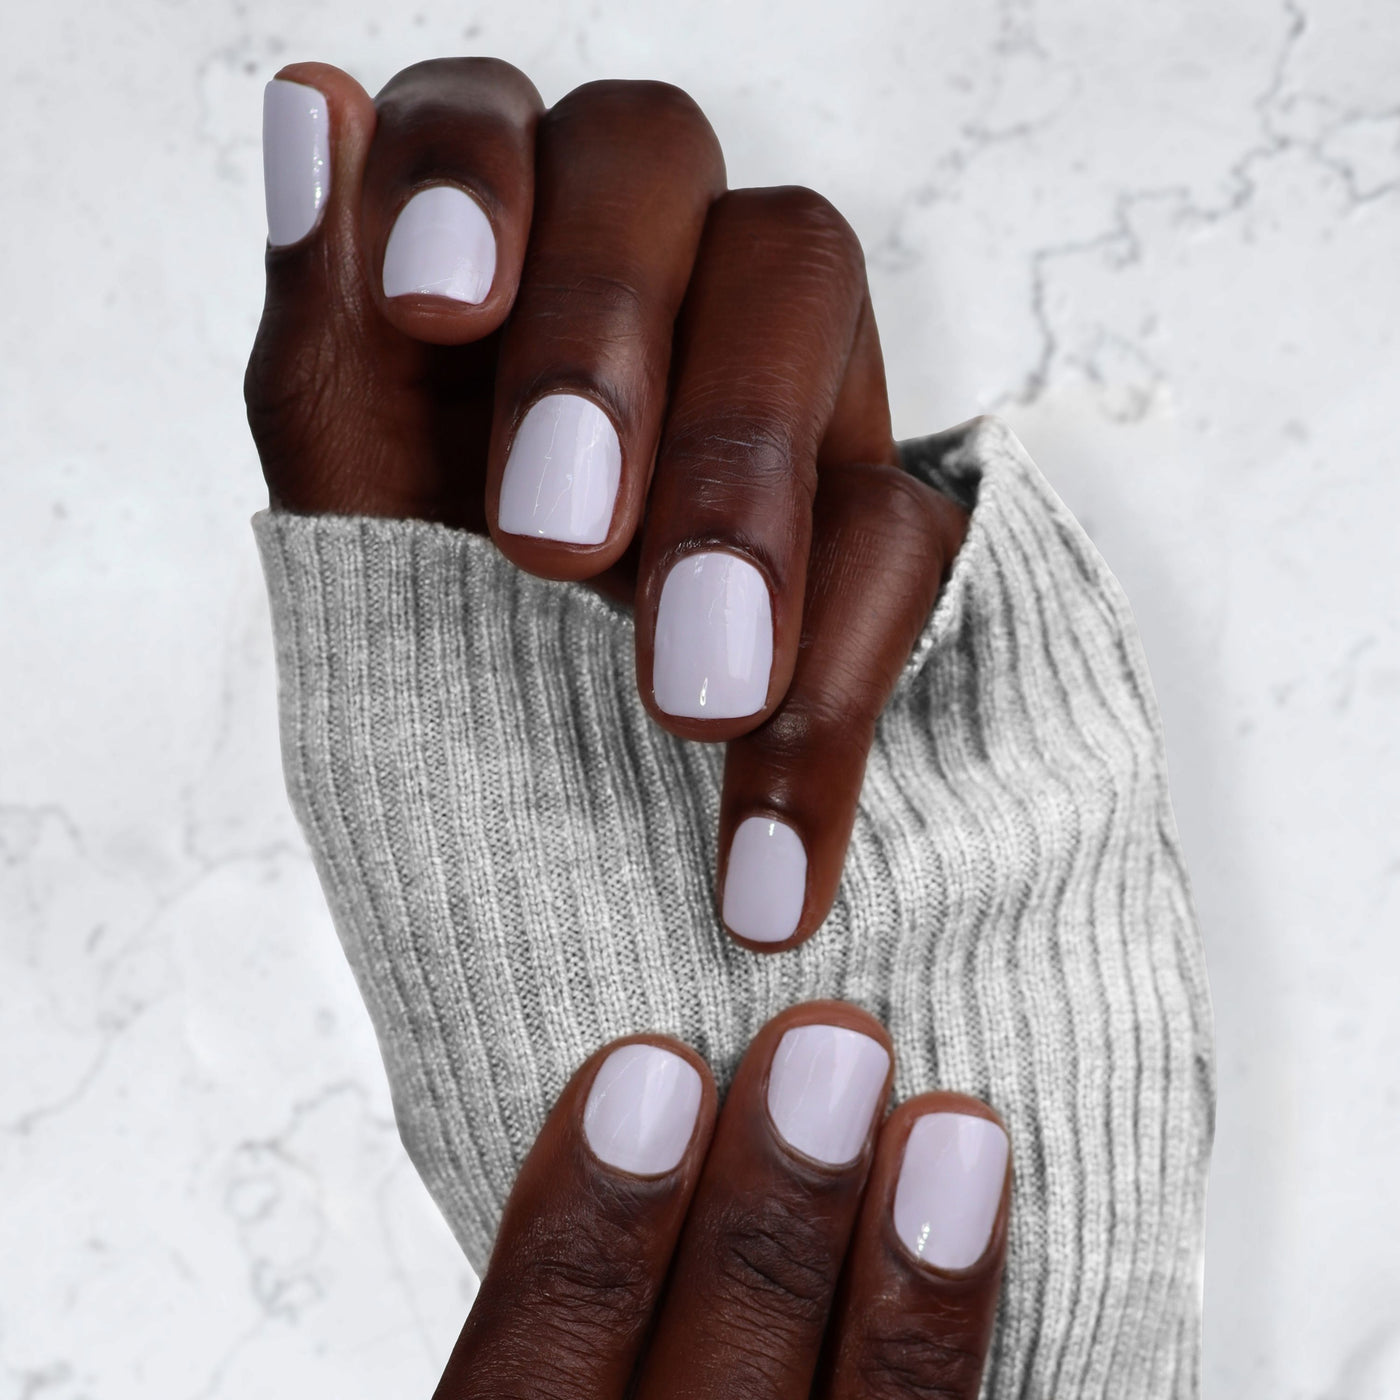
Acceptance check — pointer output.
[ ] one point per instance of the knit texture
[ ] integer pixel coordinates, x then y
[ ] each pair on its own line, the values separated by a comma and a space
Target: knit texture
521, 867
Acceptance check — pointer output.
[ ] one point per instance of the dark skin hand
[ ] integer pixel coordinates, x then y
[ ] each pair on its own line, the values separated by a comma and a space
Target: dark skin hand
745, 1267
726, 335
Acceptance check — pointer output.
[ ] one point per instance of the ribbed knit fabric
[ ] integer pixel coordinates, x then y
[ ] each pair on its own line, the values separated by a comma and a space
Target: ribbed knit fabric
521, 867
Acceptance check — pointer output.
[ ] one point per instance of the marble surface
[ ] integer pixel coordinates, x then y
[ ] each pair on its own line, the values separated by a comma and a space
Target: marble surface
1160, 239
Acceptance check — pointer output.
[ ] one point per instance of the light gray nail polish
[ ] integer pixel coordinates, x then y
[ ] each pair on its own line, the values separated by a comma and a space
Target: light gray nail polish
949, 1188
441, 245
296, 159
765, 882
560, 480
714, 638
641, 1109
824, 1087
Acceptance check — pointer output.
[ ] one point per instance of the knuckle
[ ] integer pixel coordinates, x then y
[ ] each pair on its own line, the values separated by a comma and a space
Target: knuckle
295, 392
835, 722
451, 77
575, 1288
808, 220
760, 444
642, 98
657, 112
592, 1283
781, 1255
883, 505
898, 1362
562, 292
286, 395
897, 497
742, 465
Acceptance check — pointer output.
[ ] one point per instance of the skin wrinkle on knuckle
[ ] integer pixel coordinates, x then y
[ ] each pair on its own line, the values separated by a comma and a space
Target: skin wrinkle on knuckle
586, 1271
905, 1360
777, 1259
296, 407
618, 292
521, 1369
835, 724
805, 217
780, 407
731, 460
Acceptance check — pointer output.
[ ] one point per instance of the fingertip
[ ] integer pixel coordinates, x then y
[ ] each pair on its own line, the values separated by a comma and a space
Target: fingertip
828, 1067
562, 497
763, 884
717, 638
648, 1105
449, 192
949, 1157
317, 124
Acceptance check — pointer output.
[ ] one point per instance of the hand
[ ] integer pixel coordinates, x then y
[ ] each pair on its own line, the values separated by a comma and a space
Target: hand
797, 1246
560, 327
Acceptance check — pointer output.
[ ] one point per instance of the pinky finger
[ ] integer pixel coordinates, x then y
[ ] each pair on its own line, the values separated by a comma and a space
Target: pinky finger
881, 543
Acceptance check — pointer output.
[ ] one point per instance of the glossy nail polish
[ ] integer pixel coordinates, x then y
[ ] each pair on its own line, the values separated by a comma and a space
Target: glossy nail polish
441, 245
560, 479
949, 1189
714, 638
765, 881
296, 159
825, 1086
641, 1109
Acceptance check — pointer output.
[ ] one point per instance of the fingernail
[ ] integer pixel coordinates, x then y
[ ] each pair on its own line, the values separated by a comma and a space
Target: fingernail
714, 638
441, 244
641, 1110
949, 1189
824, 1087
560, 480
765, 882
296, 159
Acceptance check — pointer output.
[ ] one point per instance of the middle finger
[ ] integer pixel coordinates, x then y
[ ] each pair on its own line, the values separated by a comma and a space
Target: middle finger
753, 1277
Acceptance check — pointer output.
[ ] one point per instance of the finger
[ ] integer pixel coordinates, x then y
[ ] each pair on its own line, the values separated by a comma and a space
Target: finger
624, 175
882, 542
919, 1294
759, 1258
317, 127
350, 415
589, 1230
763, 345
448, 190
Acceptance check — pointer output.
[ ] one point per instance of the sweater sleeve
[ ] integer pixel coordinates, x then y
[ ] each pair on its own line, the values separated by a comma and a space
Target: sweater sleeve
520, 866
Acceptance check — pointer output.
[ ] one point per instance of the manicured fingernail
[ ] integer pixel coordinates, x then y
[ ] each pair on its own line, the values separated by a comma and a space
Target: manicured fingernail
442, 245
714, 638
949, 1189
825, 1084
296, 159
560, 480
765, 882
641, 1110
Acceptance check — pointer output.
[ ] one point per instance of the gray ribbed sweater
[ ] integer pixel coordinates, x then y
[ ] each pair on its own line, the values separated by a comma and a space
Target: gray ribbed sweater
521, 867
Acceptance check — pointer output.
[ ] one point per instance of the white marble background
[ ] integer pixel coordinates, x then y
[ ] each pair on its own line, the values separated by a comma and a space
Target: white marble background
1162, 239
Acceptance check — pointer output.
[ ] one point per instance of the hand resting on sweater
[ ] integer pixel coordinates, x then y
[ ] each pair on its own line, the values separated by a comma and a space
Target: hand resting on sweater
561, 327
